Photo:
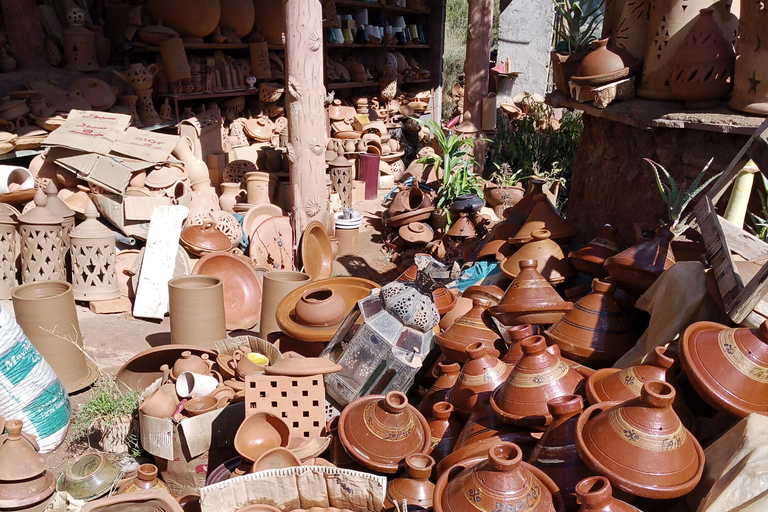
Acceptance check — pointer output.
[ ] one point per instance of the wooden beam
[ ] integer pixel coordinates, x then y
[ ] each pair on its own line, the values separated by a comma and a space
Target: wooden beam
476, 65
733, 169
25, 33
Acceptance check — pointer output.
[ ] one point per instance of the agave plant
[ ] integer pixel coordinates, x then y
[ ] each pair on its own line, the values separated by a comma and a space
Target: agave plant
456, 162
578, 25
760, 222
677, 197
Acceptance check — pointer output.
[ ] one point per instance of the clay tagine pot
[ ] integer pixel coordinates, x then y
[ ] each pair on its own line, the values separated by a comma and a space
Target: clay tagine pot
596, 495
538, 377
445, 428
320, 308
24, 479
555, 453
447, 375
727, 367
595, 332
590, 258
530, 299
414, 487
544, 216
498, 481
203, 239
600, 66
552, 263
189, 362
641, 445
144, 481
516, 334
482, 373
475, 326
637, 268
380, 431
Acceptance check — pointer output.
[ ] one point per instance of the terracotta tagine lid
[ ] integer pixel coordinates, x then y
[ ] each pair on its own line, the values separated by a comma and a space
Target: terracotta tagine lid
145, 480
727, 367
445, 428
482, 373
414, 487
516, 334
161, 177
601, 66
189, 362
641, 445
447, 375
416, 232
524, 207
475, 326
24, 479
537, 378
498, 250
552, 263
596, 495
595, 332
590, 258
530, 299
637, 268
498, 481
544, 216
556, 454
490, 292
380, 431
462, 228
203, 239
410, 199
482, 423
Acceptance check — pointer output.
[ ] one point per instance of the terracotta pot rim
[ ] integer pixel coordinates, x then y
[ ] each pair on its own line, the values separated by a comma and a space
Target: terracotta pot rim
41, 290
290, 276
194, 282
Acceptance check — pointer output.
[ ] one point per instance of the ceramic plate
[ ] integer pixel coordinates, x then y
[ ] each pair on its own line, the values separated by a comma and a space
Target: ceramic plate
271, 244
258, 214
315, 250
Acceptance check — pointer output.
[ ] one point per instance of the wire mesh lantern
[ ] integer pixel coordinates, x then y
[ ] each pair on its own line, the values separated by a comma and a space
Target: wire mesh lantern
92, 247
42, 244
7, 254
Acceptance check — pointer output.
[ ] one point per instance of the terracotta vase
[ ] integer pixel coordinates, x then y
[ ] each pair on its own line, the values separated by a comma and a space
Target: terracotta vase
475, 326
637, 268
552, 263
544, 216
530, 299
320, 308
144, 481
538, 377
750, 79
379, 431
702, 67
728, 368
277, 284
196, 308
498, 481
481, 374
230, 192
595, 332
630, 31
641, 445
260, 187
193, 19
162, 403
414, 488
590, 258
445, 428
596, 495
447, 375
555, 453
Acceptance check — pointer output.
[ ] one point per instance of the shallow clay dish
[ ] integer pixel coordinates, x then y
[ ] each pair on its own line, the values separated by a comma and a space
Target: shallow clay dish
352, 289
271, 244
258, 214
419, 215
242, 291
144, 368
259, 433
316, 252
276, 458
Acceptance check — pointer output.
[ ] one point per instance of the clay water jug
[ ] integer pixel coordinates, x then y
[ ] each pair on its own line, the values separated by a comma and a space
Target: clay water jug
230, 192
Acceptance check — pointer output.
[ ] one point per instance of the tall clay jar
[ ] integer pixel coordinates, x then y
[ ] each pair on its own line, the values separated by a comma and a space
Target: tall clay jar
260, 187
277, 284
7, 254
196, 307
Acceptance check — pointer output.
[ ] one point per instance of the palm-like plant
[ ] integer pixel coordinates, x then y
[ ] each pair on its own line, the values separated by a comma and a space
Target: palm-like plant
579, 21
760, 222
456, 162
677, 197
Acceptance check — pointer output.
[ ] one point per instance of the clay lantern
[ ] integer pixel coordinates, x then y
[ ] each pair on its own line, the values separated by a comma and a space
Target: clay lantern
7, 254
79, 43
42, 243
60, 208
94, 276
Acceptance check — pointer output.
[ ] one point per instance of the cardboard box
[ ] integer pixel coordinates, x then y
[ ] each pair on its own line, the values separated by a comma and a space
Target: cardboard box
131, 215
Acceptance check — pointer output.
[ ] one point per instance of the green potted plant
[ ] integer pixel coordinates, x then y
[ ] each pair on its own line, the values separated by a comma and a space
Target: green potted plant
576, 25
108, 418
505, 186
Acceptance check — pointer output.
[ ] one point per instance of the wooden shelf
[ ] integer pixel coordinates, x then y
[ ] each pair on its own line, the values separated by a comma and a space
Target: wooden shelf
351, 85
354, 45
206, 46
417, 81
205, 96
408, 46
376, 5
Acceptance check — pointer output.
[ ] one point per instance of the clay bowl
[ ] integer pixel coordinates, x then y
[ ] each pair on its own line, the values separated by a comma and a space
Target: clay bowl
88, 477
260, 433
242, 291
223, 361
320, 308
276, 458
348, 134
305, 449
258, 507
257, 215
352, 289
140, 501
201, 405
315, 250
144, 368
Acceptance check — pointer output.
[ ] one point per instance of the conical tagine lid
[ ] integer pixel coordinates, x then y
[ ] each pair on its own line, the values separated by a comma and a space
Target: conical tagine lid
637, 268
475, 326
482, 373
552, 263
544, 216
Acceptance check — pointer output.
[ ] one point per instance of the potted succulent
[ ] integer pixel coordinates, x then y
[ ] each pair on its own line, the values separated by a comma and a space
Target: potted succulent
577, 22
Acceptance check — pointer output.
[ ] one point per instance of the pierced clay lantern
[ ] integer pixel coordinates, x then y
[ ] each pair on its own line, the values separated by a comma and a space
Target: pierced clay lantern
7, 254
79, 43
42, 243
93, 259
60, 208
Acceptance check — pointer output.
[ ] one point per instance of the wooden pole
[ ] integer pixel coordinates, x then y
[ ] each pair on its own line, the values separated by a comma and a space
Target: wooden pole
476, 65
25, 33
305, 104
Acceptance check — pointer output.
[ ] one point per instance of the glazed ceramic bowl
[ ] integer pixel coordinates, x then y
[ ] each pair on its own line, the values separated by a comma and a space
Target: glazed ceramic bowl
88, 477
260, 433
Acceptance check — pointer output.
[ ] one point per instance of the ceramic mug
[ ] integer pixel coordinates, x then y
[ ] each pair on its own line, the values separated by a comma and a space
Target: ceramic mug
190, 384
339, 35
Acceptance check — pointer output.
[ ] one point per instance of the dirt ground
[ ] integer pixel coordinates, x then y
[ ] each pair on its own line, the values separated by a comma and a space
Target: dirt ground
111, 340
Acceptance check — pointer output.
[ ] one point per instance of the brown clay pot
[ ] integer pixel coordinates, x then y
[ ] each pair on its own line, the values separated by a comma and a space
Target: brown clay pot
552, 263
380, 431
409, 199
162, 403
641, 445
497, 195
276, 458
530, 299
320, 308
24, 480
447, 375
244, 366
538, 377
727, 367
498, 481
555, 453
153, 499
204, 239
259, 433
445, 428
475, 326
196, 307
463, 305
516, 333
564, 66
637, 268
596, 495
600, 66
144, 481
590, 258
544, 216
238, 15
414, 487
482, 373
195, 18
595, 332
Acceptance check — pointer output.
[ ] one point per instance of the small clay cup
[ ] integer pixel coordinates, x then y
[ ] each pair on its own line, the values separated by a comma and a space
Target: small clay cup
196, 307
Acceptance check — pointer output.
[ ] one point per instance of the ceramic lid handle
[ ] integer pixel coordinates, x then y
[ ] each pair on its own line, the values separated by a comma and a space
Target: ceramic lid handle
658, 393
520, 332
594, 492
442, 410
505, 456
567, 405
395, 402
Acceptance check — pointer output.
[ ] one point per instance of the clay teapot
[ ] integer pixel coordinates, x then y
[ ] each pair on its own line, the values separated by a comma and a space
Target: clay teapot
413, 488
447, 375
481, 374
596, 495
475, 326
242, 365
590, 258
189, 362
138, 76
